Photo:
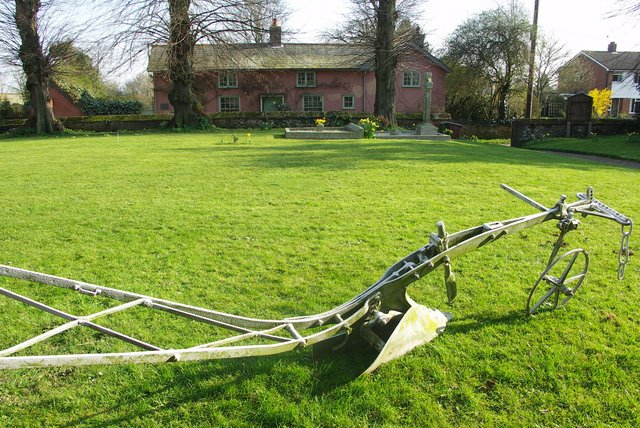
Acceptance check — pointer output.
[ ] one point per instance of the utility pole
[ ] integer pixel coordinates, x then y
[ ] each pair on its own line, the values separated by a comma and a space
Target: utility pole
532, 61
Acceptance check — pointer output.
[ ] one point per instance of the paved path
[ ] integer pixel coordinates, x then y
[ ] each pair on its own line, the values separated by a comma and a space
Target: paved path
601, 159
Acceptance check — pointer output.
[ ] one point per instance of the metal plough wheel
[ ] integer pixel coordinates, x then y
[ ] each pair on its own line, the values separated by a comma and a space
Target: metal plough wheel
560, 288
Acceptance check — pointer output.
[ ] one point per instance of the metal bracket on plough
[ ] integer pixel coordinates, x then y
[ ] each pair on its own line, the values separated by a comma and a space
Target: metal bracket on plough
383, 316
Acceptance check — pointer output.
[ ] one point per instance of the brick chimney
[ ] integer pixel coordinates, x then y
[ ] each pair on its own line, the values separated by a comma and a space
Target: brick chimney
612, 47
275, 34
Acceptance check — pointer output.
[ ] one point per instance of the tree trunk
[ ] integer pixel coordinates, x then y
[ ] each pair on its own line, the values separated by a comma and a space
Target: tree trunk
386, 60
35, 66
181, 76
503, 96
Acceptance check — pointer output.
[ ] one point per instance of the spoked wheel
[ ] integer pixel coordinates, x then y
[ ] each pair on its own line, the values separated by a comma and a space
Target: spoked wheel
561, 281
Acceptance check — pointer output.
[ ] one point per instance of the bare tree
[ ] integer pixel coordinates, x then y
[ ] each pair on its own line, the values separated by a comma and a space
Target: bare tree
260, 13
139, 88
32, 35
550, 56
627, 7
386, 59
384, 29
179, 25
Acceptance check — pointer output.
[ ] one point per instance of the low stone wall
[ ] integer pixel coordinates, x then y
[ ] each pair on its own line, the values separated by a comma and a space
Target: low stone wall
114, 123
486, 131
348, 132
461, 129
523, 130
515, 131
9, 124
101, 123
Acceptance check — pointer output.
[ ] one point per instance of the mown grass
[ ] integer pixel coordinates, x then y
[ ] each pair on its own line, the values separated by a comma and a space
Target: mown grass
272, 228
613, 146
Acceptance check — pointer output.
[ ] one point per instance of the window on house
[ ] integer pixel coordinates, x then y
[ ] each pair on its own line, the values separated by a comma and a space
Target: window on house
636, 78
635, 106
411, 79
348, 102
617, 77
229, 104
312, 103
227, 80
164, 106
306, 79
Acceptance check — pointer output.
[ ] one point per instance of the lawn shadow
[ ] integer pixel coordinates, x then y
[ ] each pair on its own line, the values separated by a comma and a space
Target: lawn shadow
486, 319
189, 383
213, 380
350, 154
335, 367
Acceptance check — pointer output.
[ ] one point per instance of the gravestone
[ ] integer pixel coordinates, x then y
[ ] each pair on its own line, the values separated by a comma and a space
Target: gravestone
579, 108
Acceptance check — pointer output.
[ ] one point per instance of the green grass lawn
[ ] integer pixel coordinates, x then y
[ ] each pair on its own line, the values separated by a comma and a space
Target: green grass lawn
270, 227
614, 146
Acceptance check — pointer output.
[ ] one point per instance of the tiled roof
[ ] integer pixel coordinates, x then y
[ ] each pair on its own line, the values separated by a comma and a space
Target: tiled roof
315, 56
616, 60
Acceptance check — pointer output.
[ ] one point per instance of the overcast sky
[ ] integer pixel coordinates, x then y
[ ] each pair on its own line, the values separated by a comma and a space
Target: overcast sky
580, 24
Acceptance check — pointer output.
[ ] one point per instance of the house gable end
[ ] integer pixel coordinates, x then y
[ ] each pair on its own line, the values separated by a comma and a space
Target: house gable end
592, 59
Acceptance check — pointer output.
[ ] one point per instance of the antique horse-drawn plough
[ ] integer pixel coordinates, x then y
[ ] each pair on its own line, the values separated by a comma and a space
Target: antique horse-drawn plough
382, 317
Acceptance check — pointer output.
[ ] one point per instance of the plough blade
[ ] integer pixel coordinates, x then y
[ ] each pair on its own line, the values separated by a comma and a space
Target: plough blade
417, 326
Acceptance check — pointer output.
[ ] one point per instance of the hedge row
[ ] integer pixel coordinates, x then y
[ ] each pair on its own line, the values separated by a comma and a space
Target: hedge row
10, 111
103, 106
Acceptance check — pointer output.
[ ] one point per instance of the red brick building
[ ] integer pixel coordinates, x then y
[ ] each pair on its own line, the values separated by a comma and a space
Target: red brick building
63, 104
297, 77
618, 71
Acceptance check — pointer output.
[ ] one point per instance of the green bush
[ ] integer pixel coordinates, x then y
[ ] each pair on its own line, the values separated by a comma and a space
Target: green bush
204, 124
265, 125
101, 106
339, 118
8, 111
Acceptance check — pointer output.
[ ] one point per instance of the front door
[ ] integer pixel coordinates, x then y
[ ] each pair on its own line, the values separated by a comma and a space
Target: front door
271, 103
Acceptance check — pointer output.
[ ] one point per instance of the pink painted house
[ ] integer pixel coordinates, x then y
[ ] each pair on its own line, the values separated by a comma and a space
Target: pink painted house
297, 77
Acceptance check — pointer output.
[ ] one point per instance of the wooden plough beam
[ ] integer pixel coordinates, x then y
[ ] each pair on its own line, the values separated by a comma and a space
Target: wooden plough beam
383, 316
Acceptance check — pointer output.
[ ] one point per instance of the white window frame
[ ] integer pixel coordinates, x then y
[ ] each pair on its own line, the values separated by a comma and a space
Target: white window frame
634, 101
227, 80
413, 77
306, 96
353, 102
613, 77
306, 79
237, 97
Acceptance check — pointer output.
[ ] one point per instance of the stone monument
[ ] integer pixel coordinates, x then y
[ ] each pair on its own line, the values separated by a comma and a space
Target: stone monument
425, 130
426, 127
